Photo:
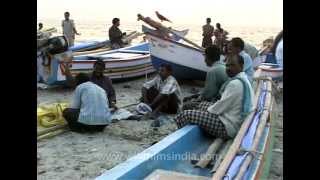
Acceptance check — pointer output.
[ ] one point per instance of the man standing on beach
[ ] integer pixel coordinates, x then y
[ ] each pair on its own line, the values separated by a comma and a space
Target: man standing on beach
207, 34
69, 29
115, 34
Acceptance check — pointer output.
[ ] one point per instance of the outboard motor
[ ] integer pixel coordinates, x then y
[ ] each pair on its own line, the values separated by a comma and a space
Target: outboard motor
48, 49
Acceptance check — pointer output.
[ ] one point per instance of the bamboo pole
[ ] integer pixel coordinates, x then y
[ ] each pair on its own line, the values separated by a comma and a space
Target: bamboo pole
51, 134
237, 141
259, 132
47, 130
222, 154
213, 148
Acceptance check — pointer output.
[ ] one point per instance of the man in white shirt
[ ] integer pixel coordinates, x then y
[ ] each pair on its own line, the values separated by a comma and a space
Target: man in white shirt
163, 92
223, 118
69, 29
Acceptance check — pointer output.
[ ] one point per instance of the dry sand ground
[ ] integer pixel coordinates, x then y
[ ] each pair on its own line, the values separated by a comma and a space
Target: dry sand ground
85, 156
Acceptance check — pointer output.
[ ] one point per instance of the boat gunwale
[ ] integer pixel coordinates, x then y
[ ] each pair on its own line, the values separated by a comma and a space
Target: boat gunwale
174, 42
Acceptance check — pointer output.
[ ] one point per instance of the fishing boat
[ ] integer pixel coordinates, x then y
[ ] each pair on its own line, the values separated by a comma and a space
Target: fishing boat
86, 46
182, 57
121, 64
247, 156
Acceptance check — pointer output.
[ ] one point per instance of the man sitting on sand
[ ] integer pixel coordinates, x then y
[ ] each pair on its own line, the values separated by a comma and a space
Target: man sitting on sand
162, 93
236, 47
97, 77
223, 118
89, 110
216, 77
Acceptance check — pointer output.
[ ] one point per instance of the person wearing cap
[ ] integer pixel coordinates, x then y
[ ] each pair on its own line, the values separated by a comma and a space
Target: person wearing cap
162, 93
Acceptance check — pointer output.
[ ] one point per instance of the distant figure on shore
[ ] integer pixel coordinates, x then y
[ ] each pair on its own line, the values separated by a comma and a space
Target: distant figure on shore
161, 17
69, 29
236, 47
161, 30
115, 34
223, 118
89, 110
162, 93
220, 37
215, 78
40, 26
97, 77
207, 33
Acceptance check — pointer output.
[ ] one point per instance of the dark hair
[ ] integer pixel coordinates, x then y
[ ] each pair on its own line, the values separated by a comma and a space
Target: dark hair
167, 66
208, 19
67, 13
238, 57
213, 53
237, 42
40, 24
115, 20
275, 42
82, 78
99, 62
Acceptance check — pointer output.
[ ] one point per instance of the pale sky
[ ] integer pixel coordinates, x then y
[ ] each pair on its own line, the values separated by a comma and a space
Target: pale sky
232, 12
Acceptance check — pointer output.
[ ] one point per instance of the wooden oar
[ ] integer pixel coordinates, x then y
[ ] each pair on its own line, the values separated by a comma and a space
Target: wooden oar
213, 148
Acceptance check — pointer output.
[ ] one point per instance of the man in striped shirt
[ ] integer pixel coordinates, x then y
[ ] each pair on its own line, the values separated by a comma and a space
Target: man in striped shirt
89, 110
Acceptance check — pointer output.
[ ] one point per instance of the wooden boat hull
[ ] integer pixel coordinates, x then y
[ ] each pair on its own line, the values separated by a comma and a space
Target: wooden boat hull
175, 151
121, 64
187, 62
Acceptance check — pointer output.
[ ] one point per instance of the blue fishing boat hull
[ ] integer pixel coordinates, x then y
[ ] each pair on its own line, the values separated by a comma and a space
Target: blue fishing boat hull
172, 153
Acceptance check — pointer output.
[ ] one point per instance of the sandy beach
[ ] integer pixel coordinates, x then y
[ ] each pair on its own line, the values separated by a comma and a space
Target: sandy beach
85, 156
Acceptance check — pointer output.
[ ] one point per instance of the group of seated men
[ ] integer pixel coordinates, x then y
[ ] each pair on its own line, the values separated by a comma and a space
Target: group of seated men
219, 110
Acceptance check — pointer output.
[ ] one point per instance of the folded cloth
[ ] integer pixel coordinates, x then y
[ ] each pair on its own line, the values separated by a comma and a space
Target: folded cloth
143, 108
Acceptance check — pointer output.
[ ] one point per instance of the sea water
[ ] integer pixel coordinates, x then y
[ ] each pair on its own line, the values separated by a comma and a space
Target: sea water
98, 30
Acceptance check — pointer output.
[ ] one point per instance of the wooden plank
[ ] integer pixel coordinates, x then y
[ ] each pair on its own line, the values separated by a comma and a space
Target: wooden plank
222, 154
237, 141
213, 148
171, 175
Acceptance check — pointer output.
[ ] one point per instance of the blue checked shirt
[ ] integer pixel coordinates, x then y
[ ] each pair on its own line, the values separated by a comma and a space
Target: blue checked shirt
93, 104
